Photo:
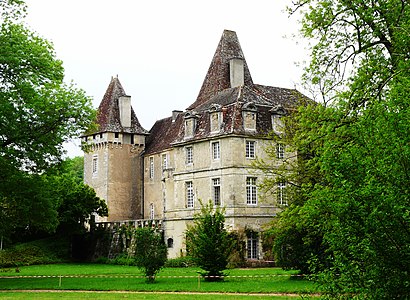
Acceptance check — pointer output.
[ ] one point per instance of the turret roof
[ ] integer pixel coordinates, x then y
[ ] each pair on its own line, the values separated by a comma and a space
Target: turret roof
108, 115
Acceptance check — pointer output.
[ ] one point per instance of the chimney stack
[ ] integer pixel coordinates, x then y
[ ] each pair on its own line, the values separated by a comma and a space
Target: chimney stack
236, 70
124, 103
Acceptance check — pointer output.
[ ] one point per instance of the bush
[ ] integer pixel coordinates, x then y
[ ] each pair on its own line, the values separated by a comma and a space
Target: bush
150, 251
209, 243
38, 252
180, 262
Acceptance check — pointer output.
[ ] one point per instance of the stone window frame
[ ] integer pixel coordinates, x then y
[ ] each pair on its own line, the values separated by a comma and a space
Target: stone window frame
281, 193
151, 211
189, 155
189, 192
250, 149
190, 118
249, 108
215, 150
252, 245
151, 167
164, 161
280, 150
216, 191
215, 111
251, 191
94, 165
277, 112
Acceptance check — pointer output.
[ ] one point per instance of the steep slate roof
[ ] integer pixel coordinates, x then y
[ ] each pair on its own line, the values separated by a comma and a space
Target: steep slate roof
216, 89
108, 115
217, 77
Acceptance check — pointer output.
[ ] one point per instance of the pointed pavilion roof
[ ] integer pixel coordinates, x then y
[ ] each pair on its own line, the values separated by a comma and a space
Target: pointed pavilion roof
108, 115
218, 77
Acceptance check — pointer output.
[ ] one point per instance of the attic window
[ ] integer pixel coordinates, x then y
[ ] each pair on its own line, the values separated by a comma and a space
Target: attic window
249, 114
190, 124
277, 123
215, 118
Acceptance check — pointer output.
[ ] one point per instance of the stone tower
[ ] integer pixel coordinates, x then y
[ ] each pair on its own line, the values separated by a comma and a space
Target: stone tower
112, 163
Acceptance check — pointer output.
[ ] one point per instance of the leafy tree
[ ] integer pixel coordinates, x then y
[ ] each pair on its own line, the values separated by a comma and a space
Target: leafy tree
358, 144
208, 242
150, 251
77, 201
38, 112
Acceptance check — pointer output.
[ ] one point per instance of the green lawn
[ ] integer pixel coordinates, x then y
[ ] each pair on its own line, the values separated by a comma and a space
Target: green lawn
100, 277
146, 296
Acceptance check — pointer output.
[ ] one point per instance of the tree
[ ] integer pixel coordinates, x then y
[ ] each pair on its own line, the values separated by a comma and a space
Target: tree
357, 141
150, 251
38, 112
77, 202
208, 242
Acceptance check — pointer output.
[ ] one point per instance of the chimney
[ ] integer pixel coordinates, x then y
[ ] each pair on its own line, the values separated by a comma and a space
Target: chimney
124, 103
175, 114
236, 70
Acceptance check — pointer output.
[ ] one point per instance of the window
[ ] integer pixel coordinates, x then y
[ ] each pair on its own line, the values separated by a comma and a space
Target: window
164, 161
250, 149
216, 191
251, 198
249, 115
282, 193
280, 151
216, 150
151, 167
151, 211
252, 245
277, 123
189, 158
132, 139
95, 165
215, 123
170, 243
116, 135
189, 194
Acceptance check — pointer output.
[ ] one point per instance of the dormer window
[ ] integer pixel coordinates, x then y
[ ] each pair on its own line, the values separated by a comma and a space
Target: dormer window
249, 114
215, 117
190, 124
277, 123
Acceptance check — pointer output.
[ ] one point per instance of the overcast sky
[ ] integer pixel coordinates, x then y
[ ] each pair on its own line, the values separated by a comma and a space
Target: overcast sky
161, 50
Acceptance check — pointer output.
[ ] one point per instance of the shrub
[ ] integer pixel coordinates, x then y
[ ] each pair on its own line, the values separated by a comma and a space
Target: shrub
38, 252
150, 251
208, 242
180, 262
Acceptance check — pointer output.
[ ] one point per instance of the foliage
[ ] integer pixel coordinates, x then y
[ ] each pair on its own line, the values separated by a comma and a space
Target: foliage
77, 201
208, 241
43, 251
38, 112
179, 262
150, 251
349, 208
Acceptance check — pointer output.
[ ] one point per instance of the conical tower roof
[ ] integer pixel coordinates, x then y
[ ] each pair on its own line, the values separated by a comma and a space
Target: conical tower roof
218, 76
108, 115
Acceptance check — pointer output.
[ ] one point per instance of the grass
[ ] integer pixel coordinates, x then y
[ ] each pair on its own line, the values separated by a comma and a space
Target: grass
127, 278
146, 296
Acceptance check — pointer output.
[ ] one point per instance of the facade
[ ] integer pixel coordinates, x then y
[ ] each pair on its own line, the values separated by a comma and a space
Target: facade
200, 154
